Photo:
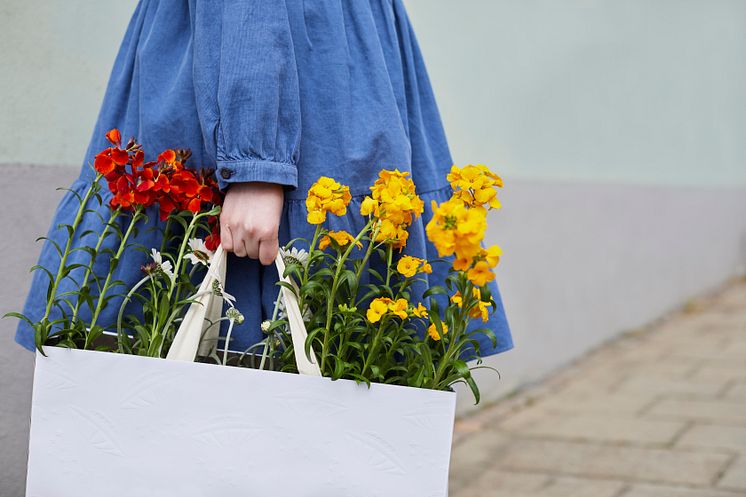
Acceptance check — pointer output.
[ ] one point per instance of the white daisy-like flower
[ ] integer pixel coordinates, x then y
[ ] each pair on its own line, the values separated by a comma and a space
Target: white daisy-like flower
199, 254
161, 266
294, 256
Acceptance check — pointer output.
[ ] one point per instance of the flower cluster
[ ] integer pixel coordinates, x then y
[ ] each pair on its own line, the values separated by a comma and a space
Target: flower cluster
479, 268
395, 204
341, 238
458, 224
326, 195
400, 308
456, 228
475, 185
408, 266
165, 181
432, 330
480, 310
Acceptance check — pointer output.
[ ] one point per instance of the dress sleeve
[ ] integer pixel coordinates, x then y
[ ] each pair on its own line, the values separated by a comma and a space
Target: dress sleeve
246, 85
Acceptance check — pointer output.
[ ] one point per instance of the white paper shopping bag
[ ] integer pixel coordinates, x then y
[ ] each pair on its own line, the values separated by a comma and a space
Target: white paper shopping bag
116, 425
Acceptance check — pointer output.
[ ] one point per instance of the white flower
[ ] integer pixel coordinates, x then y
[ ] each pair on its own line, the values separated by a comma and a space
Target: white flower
199, 254
265, 326
294, 256
162, 266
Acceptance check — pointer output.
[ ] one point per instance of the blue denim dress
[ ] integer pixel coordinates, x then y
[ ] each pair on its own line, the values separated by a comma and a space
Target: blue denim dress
279, 91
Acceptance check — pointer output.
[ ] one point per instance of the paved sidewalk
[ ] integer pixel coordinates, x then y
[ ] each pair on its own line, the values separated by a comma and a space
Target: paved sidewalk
658, 413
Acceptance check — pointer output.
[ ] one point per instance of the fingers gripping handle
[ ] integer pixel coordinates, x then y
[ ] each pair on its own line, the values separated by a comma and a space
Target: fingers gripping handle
187, 339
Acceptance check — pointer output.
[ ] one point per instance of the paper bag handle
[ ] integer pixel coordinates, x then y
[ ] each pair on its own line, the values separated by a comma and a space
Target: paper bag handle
307, 364
186, 342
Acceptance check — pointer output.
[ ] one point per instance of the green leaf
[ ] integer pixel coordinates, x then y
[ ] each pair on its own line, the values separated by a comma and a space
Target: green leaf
19, 316
434, 290
465, 373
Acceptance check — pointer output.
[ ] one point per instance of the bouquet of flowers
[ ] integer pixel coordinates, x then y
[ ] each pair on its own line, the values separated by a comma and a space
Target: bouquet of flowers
187, 202
376, 331
358, 295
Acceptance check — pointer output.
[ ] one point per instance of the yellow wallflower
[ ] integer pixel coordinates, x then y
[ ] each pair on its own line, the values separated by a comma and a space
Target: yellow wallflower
462, 264
326, 195
394, 202
378, 307
490, 255
480, 274
384, 305
457, 299
399, 308
475, 185
342, 238
433, 331
482, 308
368, 207
409, 266
455, 228
420, 311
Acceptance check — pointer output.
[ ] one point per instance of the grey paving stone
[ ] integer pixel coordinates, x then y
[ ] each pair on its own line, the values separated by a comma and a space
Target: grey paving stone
608, 461
594, 403
602, 428
666, 491
714, 410
714, 436
737, 391
652, 385
735, 477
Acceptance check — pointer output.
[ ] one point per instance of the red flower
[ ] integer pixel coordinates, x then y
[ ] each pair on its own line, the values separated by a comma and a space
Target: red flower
114, 137
110, 159
167, 156
165, 182
212, 241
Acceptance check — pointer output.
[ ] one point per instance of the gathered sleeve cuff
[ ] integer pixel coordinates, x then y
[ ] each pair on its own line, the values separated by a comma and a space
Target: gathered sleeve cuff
248, 170
245, 59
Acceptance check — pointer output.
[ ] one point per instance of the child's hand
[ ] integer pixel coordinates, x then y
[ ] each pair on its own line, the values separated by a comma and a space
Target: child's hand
250, 220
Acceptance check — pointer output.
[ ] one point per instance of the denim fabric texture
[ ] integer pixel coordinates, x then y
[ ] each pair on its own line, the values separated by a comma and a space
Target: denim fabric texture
279, 91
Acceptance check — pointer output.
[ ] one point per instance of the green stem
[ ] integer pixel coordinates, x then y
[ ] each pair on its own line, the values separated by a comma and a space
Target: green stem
166, 230
466, 296
68, 245
127, 298
153, 333
368, 252
174, 284
373, 346
389, 258
311, 248
105, 288
330, 304
182, 249
89, 269
265, 349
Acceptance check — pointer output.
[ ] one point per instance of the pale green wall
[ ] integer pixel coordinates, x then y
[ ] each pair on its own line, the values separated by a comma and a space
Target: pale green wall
634, 91
54, 64
639, 91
